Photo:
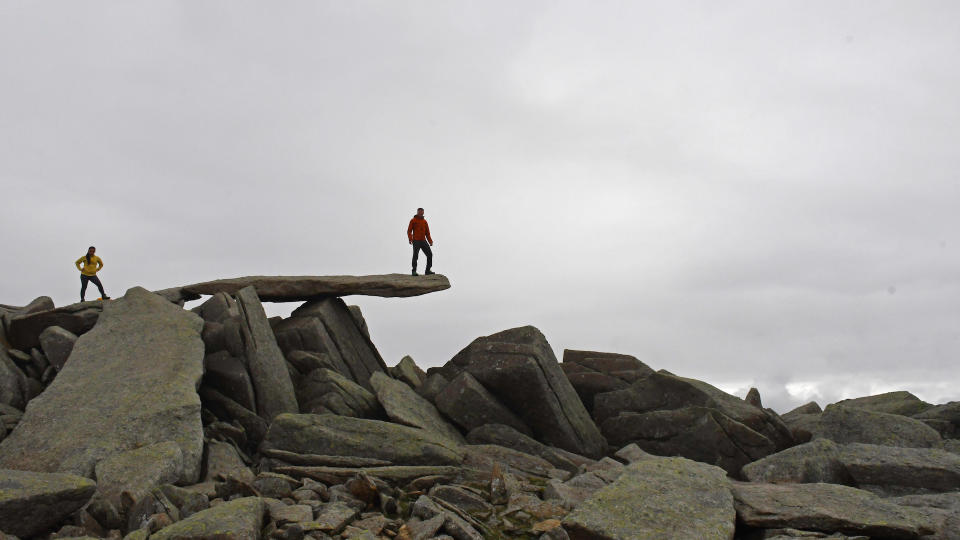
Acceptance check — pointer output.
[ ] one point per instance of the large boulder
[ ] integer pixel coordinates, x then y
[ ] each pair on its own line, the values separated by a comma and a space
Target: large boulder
519, 368
885, 470
470, 405
903, 403
24, 329
655, 499
509, 437
824, 507
267, 367
593, 373
228, 375
13, 383
137, 472
57, 343
332, 435
31, 502
354, 348
309, 334
406, 370
404, 406
697, 433
944, 418
665, 391
239, 519
325, 390
850, 424
131, 381
302, 288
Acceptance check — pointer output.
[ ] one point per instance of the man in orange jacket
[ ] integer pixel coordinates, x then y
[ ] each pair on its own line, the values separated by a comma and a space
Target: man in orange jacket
418, 233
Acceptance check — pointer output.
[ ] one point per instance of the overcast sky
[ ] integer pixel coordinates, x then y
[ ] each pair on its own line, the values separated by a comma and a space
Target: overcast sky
749, 193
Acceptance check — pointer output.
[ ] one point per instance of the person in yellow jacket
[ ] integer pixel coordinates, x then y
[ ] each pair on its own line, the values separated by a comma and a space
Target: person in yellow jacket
89, 265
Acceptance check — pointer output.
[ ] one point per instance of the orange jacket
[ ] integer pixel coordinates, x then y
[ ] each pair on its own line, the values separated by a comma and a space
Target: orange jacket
418, 230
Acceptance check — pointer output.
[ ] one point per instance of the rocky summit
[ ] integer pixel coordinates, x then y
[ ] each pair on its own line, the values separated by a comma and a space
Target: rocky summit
140, 419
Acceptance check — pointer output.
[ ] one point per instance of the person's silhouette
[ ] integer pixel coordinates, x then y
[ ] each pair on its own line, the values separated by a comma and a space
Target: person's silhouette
89, 265
418, 233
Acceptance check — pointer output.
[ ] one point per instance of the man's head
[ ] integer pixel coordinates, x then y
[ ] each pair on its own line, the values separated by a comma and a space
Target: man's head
420, 212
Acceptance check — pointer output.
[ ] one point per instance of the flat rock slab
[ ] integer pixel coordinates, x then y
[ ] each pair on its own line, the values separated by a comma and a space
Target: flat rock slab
31, 503
397, 473
138, 472
333, 435
854, 425
404, 406
655, 499
303, 288
824, 507
130, 382
239, 519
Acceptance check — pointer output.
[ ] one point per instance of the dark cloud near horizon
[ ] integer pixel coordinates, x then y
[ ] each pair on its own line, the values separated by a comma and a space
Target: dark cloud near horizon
747, 193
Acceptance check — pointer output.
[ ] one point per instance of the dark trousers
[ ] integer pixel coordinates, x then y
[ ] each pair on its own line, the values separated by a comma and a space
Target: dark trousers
417, 246
83, 285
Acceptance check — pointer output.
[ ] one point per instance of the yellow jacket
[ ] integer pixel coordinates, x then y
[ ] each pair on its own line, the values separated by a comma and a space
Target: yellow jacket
89, 268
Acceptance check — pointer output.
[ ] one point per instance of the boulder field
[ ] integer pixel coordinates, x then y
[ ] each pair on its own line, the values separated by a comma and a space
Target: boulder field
140, 419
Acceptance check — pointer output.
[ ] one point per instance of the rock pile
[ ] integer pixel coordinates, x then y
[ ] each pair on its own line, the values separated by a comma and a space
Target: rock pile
139, 419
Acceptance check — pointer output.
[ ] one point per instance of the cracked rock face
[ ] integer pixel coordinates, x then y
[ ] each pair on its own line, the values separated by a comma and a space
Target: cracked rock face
518, 367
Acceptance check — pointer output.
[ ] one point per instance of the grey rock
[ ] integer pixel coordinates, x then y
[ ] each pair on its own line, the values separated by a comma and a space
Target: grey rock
360, 320
328, 390
357, 352
824, 507
176, 295
57, 343
806, 408
404, 406
398, 474
239, 519
227, 409
465, 401
946, 417
309, 334
887, 469
137, 472
632, 453
303, 288
218, 308
13, 383
658, 498
426, 529
697, 433
462, 498
223, 462
306, 362
851, 425
322, 460
483, 457
408, 372
454, 525
267, 367
816, 461
662, 391
333, 517
519, 368
31, 502
802, 426
229, 376
753, 398
903, 403
24, 329
432, 386
333, 435
593, 373
509, 437
135, 375
38, 304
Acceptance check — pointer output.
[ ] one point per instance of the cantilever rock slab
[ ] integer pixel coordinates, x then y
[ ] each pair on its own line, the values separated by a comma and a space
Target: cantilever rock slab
303, 288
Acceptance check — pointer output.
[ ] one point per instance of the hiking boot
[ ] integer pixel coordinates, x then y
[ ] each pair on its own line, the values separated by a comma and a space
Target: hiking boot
429, 272
105, 297
414, 273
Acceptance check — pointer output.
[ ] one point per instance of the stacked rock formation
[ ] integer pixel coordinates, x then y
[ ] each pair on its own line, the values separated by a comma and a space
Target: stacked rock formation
140, 419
